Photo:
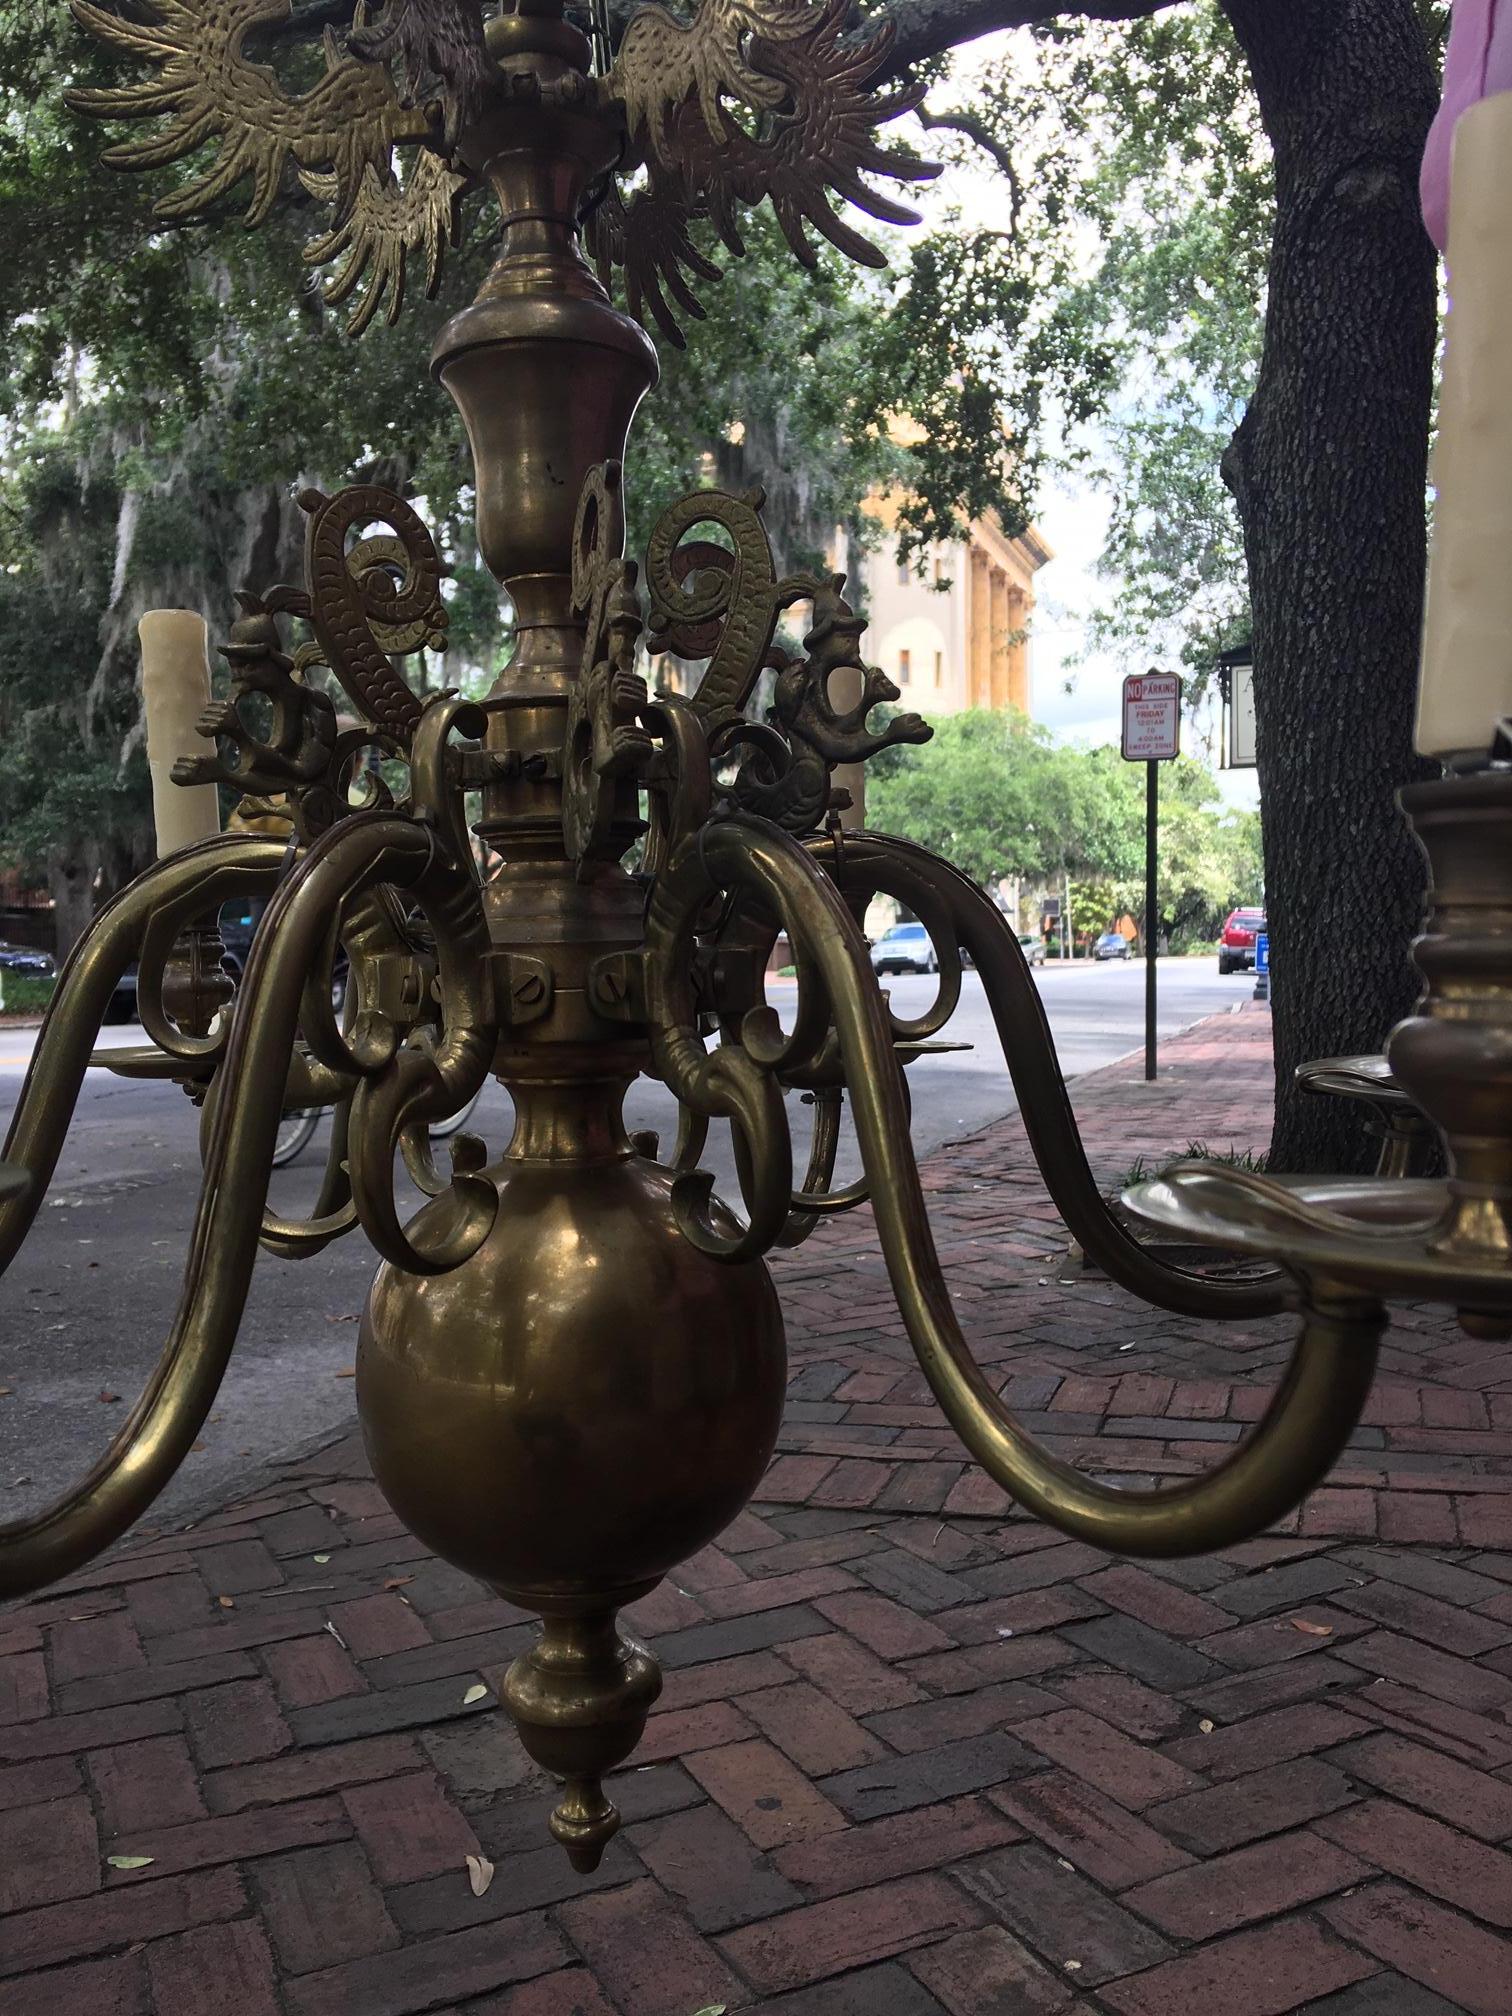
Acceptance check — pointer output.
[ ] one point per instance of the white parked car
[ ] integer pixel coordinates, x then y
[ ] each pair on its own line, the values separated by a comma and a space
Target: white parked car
906, 948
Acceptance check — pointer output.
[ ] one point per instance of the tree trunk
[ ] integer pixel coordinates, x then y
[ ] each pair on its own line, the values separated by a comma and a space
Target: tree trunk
70, 883
1329, 470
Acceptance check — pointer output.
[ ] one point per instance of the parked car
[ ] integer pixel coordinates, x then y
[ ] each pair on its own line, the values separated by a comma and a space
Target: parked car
1033, 947
906, 948
1111, 945
25, 959
1236, 946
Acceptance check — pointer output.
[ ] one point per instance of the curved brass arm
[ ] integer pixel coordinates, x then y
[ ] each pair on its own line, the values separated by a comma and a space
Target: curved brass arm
152, 1442
180, 890
1314, 1408
876, 860
334, 1212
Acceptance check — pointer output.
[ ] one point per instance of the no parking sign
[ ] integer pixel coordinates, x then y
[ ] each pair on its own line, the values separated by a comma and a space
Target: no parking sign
1152, 736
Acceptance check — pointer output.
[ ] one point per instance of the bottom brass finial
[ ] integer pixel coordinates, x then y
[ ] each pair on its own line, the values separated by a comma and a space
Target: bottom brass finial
580, 1697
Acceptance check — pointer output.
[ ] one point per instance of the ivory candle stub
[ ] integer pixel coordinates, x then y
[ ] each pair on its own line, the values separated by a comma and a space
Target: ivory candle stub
1466, 684
176, 690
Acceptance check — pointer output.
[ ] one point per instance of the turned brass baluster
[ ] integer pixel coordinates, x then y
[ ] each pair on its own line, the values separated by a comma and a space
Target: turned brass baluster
1314, 1408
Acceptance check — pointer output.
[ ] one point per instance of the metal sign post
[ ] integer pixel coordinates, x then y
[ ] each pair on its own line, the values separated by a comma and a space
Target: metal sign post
1152, 736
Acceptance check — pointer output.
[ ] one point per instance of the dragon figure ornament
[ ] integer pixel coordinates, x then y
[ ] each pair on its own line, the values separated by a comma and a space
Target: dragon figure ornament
571, 1367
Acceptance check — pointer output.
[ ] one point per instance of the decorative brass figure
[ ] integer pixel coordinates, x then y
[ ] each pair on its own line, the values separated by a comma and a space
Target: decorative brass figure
570, 1374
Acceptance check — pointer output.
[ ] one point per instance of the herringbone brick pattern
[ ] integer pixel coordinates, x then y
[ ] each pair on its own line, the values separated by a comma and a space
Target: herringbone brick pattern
915, 1755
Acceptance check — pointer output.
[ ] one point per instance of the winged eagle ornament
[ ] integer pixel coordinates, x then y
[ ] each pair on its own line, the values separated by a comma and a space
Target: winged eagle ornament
740, 102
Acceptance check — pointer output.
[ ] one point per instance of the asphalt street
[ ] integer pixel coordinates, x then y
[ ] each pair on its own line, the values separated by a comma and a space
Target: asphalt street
85, 1305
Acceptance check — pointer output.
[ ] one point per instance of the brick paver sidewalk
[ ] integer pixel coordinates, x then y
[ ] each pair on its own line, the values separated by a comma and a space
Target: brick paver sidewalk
914, 1756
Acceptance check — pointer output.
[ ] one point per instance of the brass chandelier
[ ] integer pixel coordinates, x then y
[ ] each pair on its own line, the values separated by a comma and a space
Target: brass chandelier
571, 1368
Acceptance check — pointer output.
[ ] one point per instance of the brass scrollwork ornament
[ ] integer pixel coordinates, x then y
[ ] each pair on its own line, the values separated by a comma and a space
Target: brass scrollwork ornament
607, 744
722, 603
368, 602
719, 602
361, 613
817, 735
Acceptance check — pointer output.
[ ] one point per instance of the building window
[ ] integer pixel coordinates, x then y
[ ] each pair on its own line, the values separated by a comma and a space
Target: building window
939, 573
903, 668
939, 667
905, 572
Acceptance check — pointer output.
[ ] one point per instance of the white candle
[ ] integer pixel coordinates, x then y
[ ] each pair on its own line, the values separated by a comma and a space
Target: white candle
176, 691
1467, 635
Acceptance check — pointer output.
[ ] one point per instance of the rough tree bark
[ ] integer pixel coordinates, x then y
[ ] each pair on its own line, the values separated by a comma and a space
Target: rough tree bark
81, 876
71, 877
1329, 471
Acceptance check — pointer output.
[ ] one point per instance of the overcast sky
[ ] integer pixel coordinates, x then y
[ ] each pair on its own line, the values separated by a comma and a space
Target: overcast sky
1079, 699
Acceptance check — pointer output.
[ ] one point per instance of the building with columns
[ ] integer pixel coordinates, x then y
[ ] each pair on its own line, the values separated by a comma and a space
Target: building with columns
957, 635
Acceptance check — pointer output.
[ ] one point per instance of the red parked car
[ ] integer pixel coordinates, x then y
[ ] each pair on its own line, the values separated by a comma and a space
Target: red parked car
1236, 948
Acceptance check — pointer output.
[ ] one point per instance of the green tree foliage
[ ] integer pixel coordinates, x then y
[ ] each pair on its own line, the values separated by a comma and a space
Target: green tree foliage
985, 793
774, 389
1208, 860
992, 793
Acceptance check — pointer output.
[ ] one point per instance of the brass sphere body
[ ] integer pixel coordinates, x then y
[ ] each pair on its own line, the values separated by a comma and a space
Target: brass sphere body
583, 1404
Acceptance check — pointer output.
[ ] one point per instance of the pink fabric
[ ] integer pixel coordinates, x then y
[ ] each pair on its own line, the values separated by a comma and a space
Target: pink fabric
1479, 61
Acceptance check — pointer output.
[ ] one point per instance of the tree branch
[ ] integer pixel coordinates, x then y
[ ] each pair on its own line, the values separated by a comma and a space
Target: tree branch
306, 23
976, 130
931, 27
924, 27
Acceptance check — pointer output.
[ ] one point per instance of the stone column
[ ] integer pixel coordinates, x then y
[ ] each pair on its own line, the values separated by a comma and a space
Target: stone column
1020, 603
999, 638
979, 635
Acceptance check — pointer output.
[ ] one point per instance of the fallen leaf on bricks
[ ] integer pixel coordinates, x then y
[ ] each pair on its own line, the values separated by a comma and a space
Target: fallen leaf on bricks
1312, 1630
480, 1873
130, 1861
474, 1694
226, 1602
